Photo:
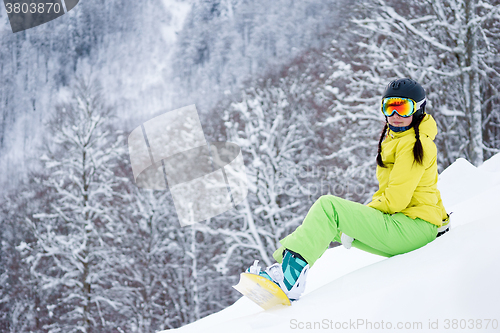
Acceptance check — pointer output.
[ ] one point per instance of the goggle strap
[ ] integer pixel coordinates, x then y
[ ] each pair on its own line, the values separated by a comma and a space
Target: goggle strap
420, 104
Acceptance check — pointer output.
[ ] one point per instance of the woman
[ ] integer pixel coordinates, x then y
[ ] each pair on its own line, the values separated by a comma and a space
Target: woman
404, 214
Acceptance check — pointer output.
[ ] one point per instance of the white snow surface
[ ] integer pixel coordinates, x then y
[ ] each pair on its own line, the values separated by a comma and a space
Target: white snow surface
450, 283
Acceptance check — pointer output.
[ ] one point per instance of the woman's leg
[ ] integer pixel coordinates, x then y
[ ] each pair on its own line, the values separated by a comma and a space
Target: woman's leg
366, 248
372, 230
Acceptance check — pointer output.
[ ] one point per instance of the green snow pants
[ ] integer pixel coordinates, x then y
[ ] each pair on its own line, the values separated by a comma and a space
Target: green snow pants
373, 231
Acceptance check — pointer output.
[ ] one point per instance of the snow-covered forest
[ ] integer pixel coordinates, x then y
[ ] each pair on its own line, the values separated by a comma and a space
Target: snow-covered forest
296, 84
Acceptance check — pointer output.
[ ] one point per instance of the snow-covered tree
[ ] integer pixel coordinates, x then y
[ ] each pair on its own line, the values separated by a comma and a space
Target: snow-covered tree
151, 261
22, 300
165, 272
73, 257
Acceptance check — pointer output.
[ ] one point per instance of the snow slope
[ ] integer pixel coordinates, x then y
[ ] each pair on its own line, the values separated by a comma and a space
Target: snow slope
451, 284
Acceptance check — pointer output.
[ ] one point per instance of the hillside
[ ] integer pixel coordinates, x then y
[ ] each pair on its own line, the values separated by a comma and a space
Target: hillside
448, 284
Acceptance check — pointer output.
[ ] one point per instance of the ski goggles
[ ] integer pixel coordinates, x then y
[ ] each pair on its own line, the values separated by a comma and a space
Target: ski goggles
405, 107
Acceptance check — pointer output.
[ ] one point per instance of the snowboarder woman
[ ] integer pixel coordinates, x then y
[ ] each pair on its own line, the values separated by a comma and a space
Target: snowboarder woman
404, 214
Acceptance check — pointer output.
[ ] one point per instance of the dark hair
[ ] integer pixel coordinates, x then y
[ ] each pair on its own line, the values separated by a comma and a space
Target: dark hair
418, 151
379, 156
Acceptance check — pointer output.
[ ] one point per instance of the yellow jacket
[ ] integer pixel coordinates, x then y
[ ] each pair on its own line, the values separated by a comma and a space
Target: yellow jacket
404, 185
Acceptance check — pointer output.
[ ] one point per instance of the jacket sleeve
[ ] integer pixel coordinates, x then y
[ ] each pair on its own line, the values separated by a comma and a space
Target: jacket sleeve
403, 179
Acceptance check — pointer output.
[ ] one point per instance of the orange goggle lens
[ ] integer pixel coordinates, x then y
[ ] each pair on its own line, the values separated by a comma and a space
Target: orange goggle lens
404, 107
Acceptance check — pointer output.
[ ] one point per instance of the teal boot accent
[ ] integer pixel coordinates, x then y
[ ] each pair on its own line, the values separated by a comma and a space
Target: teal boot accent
292, 266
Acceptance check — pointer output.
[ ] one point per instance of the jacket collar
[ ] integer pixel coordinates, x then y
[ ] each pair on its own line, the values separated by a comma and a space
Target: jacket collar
427, 127
399, 129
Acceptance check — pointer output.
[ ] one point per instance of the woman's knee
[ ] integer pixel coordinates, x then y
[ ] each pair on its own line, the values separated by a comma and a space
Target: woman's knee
326, 206
328, 199
330, 202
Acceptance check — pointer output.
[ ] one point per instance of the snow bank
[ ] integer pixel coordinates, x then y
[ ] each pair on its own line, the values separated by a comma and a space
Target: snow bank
450, 283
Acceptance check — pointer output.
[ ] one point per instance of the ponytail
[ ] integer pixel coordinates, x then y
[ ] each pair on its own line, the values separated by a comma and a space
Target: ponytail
418, 151
379, 156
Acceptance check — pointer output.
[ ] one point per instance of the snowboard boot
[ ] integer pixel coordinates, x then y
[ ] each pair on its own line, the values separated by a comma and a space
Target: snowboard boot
445, 227
290, 275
